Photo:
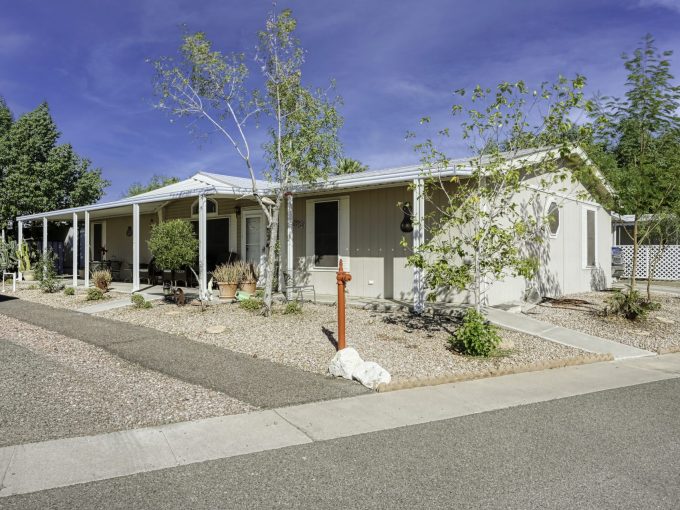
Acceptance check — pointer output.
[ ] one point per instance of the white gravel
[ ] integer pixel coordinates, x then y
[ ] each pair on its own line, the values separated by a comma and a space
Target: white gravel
52, 386
405, 345
59, 299
650, 334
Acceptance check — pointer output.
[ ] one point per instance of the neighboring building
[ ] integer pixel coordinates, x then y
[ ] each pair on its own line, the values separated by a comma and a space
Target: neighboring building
354, 217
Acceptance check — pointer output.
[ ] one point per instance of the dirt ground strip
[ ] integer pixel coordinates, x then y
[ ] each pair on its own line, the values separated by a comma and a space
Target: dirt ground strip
661, 330
407, 346
59, 299
52, 386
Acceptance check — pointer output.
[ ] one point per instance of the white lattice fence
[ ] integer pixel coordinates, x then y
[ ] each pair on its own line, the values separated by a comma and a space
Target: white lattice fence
667, 267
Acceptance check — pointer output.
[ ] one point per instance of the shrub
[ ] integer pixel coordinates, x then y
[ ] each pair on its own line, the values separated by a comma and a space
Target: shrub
227, 273
252, 304
102, 279
94, 294
23, 255
476, 336
174, 245
46, 273
139, 302
69, 291
8, 255
629, 305
293, 308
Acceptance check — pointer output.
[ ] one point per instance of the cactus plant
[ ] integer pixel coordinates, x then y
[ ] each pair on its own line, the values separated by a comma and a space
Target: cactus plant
24, 257
8, 255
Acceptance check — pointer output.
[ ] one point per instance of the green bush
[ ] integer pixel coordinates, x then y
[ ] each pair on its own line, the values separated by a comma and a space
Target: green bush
139, 302
476, 336
94, 294
69, 291
629, 305
46, 273
252, 304
8, 255
293, 308
173, 245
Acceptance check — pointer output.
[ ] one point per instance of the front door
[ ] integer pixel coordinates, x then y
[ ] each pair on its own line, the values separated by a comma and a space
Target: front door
252, 241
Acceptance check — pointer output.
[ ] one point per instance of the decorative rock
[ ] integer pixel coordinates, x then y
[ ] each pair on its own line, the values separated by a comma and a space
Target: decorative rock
370, 374
506, 345
215, 330
665, 320
345, 362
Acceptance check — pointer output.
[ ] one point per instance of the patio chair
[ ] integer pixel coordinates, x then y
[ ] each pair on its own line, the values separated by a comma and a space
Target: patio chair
297, 290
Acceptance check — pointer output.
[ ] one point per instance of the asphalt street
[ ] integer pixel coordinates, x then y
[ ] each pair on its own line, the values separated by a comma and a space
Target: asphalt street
612, 449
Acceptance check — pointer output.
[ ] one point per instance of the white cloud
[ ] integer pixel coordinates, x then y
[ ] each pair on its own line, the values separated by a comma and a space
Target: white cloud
673, 5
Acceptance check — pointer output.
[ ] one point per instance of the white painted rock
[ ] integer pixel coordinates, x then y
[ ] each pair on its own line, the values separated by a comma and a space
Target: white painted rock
345, 362
370, 374
215, 330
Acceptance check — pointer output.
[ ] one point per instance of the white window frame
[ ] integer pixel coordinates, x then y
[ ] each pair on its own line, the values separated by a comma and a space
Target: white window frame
584, 236
208, 215
559, 219
343, 232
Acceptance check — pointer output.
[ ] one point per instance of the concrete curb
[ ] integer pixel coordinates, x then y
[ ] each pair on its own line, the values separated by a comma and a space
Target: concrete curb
418, 382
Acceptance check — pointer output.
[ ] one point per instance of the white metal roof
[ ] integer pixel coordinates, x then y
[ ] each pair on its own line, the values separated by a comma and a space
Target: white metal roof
228, 185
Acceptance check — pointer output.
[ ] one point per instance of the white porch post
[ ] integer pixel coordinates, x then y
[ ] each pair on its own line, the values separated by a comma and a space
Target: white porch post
86, 249
3, 234
75, 250
135, 247
44, 239
289, 244
20, 239
418, 240
202, 248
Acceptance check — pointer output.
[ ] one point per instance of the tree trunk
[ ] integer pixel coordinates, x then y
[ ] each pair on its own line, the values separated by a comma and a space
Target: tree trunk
633, 268
271, 258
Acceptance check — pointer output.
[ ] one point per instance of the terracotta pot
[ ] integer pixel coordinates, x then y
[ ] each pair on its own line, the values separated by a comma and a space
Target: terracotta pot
249, 287
29, 275
227, 290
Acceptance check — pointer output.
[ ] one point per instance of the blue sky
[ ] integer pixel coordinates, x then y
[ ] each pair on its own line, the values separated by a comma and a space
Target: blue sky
393, 61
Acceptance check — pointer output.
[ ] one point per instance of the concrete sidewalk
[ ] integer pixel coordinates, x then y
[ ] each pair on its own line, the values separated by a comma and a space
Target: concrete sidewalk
40, 466
583, 341
256, 381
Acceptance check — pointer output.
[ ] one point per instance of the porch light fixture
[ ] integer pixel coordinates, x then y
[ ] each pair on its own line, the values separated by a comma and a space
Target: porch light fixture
407, 223
128, 232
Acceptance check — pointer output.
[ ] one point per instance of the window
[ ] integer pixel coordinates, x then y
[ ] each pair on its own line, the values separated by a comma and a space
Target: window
326, 234
210, 208
553, 219
590, 227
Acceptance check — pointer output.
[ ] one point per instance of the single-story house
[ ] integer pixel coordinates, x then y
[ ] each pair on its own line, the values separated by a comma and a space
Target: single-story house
354, 217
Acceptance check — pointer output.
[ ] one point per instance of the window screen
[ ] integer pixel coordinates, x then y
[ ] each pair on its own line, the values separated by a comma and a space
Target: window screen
590, 238
326, 234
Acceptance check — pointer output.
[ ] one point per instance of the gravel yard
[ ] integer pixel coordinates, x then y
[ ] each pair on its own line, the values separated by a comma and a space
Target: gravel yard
661, 330
53, 387
59, 299
405, 345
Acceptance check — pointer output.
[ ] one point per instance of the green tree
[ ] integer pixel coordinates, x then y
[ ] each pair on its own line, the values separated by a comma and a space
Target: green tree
478, 230
6, 118
157, 181
39, 175
301, 123
173, 245
638, 140
349, 166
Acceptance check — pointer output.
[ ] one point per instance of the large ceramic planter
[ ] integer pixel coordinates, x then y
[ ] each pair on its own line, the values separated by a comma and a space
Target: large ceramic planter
249, 287
227, 290
28, 276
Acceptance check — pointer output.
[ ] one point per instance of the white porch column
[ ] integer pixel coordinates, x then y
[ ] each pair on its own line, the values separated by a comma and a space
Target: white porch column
20, 239
3, 234
202, 248
75, 250
135, 247
44, 239
289, 243
86, 249
418, 240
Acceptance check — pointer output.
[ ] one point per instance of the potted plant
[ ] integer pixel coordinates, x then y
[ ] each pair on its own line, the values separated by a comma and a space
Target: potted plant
24, 260
248, 280
227, 277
